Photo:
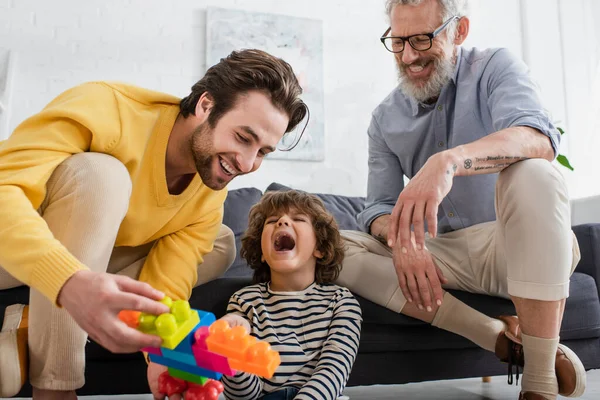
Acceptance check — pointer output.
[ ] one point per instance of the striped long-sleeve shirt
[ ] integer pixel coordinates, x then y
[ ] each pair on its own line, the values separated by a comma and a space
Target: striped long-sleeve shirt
316, 332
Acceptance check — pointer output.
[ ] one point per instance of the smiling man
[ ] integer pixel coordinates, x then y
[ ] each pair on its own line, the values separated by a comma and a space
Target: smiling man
468, 128
114, 178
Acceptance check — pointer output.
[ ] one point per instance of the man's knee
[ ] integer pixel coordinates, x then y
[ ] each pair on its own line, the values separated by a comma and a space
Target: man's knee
99, 179
533, 181
218, 261
226, 242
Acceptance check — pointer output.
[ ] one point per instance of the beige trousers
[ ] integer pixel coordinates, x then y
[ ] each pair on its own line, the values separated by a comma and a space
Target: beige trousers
529, 251
86, 201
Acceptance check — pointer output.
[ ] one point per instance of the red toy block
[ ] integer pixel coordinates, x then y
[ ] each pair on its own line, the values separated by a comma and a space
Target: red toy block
169, 385
207, 359
209, 391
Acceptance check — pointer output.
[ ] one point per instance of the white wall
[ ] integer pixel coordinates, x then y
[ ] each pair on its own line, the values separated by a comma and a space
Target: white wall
160, 45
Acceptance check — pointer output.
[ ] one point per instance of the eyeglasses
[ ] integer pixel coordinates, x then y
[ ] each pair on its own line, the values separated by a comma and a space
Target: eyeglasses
419, 42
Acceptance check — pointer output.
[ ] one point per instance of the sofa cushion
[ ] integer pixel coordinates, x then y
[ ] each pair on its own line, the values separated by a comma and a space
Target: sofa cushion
237, 207
343, 208
384, 330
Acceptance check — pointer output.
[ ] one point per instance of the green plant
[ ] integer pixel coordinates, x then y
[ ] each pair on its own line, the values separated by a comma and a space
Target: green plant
563, 160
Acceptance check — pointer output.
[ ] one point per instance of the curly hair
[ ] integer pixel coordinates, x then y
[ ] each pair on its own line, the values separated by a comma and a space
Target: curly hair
329, 241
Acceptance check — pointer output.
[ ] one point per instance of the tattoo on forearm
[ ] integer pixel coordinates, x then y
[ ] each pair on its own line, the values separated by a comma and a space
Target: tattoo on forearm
500, 158
493, 162
454, 168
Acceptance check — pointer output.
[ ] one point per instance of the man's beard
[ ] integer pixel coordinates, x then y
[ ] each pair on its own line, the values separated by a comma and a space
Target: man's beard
443, 69
202, 150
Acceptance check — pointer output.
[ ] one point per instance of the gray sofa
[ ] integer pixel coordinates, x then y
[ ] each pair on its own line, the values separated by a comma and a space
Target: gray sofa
393, 349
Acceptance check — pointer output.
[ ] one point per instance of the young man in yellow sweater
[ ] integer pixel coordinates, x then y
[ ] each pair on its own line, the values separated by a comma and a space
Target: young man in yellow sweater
110, 183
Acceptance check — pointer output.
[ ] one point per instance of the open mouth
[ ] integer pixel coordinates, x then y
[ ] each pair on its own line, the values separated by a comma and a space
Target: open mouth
418, 69
284, 242
226, 167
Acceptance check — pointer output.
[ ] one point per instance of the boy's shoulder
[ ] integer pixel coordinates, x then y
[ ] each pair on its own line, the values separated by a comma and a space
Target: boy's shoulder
333, 290
252, 291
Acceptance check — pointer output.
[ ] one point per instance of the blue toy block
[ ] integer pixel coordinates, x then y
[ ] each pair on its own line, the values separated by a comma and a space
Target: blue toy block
179, 356
167, 362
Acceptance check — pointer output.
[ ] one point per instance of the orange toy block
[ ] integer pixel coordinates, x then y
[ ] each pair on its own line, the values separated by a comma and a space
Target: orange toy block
131, 318
245, 352
228, 342
259, 360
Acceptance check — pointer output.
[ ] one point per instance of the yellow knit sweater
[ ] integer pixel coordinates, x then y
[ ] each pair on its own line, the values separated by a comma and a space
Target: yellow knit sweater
132, 125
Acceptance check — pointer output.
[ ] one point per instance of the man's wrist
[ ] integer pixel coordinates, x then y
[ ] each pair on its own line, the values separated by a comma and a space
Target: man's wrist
450, 161
378, 228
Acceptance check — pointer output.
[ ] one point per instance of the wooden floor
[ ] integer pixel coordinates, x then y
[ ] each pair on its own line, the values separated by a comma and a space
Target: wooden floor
465, 389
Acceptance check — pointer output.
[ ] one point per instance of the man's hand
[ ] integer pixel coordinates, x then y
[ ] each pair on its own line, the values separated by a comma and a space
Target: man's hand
419, 202
418, 276
94, 300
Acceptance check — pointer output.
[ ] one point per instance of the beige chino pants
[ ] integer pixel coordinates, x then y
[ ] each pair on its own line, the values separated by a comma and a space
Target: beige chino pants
86, 201
529, 251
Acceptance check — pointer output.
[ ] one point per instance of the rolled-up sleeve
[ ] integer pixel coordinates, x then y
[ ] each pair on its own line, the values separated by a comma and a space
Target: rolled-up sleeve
385, 180
514, 99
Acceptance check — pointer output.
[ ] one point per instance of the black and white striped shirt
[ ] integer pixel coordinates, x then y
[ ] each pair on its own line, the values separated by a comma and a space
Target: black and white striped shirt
316, 332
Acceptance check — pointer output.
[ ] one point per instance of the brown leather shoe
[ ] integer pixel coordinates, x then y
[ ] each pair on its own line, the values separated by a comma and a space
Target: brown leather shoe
570, 372
531, 396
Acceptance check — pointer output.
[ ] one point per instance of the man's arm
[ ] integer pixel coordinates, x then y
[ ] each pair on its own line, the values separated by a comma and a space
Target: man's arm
172, 263
339, 351
523, 130
68, 125
385, 181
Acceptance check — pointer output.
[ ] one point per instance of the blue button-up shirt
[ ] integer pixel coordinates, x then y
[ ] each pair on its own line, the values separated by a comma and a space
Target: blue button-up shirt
490, 90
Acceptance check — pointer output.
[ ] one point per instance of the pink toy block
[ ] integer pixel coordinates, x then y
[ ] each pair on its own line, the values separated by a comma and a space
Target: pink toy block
152, 350
207, 359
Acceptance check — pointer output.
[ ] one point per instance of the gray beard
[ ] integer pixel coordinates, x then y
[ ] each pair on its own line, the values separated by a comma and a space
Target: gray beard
443, 69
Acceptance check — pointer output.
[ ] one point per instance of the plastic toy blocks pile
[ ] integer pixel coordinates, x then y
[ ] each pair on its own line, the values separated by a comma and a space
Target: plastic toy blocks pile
196, 349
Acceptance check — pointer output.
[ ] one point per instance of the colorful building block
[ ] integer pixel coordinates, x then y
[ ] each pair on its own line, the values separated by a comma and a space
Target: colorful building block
244, 352
192, 369
186, 376
183, 352
152, 350
196, 347
207, 359
259, 360
172, 327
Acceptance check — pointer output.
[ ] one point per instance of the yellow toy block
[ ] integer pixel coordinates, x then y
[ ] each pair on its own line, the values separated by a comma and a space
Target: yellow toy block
172, 327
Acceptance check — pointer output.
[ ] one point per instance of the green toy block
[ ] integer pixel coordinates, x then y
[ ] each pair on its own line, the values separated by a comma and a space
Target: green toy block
186, 376
172, 327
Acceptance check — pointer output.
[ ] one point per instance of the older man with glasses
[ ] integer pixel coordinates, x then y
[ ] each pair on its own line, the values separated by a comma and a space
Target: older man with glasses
468, 129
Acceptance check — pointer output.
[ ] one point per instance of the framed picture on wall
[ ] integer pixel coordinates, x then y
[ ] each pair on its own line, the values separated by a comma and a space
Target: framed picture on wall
299, 41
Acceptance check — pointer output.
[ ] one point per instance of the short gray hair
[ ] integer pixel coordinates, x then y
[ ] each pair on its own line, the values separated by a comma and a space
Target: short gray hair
449, 9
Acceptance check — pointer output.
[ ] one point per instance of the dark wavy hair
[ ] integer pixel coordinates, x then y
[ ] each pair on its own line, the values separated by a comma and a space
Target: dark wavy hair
244, 71
329, 241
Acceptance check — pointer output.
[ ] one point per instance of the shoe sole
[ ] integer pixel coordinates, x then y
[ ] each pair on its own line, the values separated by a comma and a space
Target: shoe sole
581, 377
10, 371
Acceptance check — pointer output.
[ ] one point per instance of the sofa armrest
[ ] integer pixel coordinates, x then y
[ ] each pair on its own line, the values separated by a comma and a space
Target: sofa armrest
588, 237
